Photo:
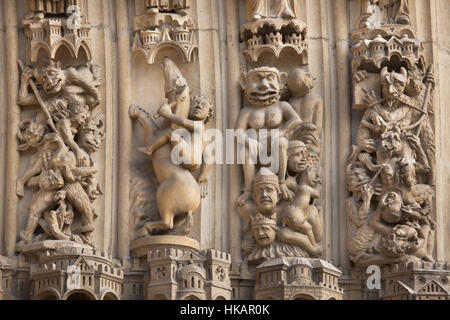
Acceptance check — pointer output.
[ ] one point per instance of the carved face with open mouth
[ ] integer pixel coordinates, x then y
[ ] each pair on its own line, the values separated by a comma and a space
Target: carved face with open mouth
31, 133
393, 84
297, 157
92, 135
262, 85
52, 79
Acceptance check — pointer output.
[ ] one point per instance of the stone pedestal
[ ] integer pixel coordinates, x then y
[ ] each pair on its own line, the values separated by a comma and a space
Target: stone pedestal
61, 270
297, 279
178, 270
416, 281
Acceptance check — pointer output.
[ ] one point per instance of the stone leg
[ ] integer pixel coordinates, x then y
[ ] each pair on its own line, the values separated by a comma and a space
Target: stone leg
160, 139
283, 160
76, 196
43, 201
181, 6
249, 174
282, 9
403, 16
289, 236
259, 9
365, 14
316, 221
54, 227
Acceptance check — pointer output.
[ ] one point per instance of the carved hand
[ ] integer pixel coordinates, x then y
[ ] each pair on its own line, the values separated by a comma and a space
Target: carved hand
367, 192
367, 145
27, 74
286, 193
370, 97
20, 188
414, 140
83, 159
247, 246
165, 111
203, 183
360, 76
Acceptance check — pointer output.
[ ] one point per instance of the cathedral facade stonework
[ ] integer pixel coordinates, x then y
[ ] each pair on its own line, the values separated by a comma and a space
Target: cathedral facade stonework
224, 150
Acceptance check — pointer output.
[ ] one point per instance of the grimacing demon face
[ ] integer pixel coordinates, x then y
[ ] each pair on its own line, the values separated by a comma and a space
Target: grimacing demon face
393, 84
52, 78
31, 133
92, 135
262, 86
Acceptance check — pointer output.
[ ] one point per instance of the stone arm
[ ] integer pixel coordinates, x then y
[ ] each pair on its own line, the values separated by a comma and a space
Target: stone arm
66, 133
304, 196
242, 125
365, 127
293, 120
89, 86
33, 171
422, 163
84, 171
358, 216
205, 169
378, 225
182, 122
26, 98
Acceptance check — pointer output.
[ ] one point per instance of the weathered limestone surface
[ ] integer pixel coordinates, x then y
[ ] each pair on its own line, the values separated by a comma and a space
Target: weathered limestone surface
93, 91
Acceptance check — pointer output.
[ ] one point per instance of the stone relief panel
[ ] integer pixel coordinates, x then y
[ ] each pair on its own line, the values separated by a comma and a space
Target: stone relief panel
391, 169
64, 135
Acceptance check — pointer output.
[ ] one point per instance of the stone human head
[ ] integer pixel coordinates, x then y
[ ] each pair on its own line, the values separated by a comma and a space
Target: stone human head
300, 83
79, 114
92, 134
262, 86
266, 191
264, 229
356, 177
52, 77
393, 84
311, 177
391, 204
201, 109
31, 134
297, 157
388, 175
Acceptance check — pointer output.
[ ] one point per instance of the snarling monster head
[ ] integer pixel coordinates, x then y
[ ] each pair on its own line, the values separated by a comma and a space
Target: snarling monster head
262, 85
92, 134
393, 84
52, 77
